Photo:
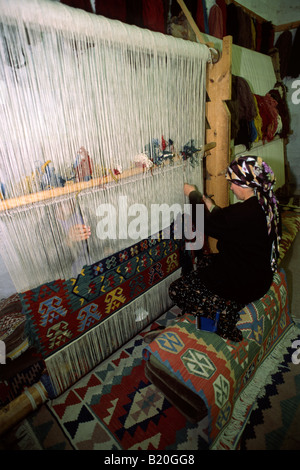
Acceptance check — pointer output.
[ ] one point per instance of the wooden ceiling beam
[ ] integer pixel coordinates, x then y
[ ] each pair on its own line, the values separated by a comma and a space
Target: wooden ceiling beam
277, 28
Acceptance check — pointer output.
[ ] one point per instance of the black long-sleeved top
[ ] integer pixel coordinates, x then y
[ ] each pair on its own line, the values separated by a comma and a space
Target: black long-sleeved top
241, 270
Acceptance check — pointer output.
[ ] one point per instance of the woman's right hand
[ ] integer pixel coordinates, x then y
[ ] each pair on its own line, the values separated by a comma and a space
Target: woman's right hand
208, 202
188, 188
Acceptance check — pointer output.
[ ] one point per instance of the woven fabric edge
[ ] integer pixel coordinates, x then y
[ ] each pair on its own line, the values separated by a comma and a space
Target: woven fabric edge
229, 437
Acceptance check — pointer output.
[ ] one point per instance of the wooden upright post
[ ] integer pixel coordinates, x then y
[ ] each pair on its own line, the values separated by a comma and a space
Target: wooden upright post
22, 406
218, 87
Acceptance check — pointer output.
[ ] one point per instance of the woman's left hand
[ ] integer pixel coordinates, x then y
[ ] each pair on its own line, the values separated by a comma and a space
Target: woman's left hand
79, 232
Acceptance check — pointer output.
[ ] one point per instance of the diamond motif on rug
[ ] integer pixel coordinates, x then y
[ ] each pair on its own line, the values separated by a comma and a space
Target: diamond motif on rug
198, 363
145, 404
274, 423
84, 416
133, 407
115, 407
222, 389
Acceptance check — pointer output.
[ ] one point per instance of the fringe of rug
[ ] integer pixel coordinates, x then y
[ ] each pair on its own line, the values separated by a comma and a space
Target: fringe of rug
26, 438
229, 437
76, 359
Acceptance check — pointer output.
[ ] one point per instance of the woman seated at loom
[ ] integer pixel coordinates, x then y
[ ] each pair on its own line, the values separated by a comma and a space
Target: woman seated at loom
248, 236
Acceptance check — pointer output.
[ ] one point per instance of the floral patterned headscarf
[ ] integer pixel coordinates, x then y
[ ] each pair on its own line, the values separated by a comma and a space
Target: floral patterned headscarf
253, 172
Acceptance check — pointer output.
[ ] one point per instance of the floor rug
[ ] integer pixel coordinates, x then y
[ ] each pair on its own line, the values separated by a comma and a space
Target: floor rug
275, 422
115, 407
40, 431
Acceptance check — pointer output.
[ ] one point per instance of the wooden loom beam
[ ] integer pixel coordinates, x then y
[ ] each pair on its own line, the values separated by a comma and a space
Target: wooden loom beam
218, 87
277, 28
22, 406
219, 119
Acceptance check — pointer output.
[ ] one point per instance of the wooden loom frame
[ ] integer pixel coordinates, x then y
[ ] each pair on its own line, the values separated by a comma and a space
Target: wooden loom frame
218, 134
218, 152
217, 114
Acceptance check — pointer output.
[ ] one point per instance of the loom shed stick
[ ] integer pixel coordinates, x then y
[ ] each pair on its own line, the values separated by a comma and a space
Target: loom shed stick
57, 192
77, 187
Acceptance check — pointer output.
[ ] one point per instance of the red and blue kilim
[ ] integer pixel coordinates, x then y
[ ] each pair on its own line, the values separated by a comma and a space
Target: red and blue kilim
61, 311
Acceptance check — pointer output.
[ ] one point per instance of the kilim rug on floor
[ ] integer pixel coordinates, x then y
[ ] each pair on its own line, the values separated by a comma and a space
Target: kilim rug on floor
115, 407
275, 422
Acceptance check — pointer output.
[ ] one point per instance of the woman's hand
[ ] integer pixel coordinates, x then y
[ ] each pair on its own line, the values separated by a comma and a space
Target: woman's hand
208, 202
188, 188
79, 232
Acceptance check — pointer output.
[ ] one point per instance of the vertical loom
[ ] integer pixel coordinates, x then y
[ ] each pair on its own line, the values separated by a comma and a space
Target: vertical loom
135, 100
158, 83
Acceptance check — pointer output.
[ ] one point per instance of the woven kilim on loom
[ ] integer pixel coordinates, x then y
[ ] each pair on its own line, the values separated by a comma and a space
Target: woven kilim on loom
61, 311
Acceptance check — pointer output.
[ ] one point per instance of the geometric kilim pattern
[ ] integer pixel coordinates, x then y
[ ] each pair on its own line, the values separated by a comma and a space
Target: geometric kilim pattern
115, 407
274, 424
170, 342
61, 311
216, 369
222, 388
198, 363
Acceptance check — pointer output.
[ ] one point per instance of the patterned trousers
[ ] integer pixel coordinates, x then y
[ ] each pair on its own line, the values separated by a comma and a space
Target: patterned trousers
191, 295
